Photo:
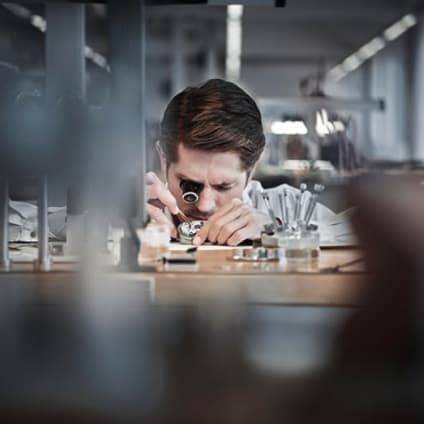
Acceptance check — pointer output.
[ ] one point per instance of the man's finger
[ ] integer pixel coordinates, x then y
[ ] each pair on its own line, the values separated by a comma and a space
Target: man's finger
243, 234
230, 218
156, 191
158, 216
227, 231
203, 233
152, 178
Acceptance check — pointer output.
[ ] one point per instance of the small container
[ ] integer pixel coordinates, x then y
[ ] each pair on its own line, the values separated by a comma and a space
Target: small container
256, 254
154, 242
299, 246
115, 236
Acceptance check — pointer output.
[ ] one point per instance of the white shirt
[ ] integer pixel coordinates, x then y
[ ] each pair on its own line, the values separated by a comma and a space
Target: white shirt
23, 216
252, 197
334, 228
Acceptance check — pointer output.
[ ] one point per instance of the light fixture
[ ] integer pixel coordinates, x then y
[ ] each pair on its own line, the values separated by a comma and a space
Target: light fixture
352, 62
370, 49
325, 126
399, 27
234, 42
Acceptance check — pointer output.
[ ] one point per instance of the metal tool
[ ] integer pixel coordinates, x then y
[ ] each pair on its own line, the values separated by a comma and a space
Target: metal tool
299, 202
337, 268
286, 207
182, 216
271, 214
318, 189
285, 224
296, 208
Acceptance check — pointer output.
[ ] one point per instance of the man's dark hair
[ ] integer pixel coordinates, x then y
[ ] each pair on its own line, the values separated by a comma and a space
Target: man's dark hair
218, 116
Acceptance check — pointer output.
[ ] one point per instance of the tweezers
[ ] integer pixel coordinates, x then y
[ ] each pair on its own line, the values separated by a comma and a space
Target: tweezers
337, 268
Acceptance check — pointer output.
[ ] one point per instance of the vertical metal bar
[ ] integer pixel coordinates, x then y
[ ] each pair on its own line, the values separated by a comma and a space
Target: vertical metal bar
141, 211
127, 61
65, 43
65, 77
43, 263
4, 223
364, 141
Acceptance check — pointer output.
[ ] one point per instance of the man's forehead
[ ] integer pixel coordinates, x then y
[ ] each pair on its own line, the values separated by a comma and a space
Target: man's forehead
206, 164
187, 157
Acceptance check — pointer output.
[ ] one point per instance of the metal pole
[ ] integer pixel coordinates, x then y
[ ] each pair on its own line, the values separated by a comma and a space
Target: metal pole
43, 262
127, 61
141, 199
65, 59
65, 78
4, 222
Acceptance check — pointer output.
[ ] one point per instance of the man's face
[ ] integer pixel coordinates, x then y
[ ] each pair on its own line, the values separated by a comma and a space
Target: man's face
220, 174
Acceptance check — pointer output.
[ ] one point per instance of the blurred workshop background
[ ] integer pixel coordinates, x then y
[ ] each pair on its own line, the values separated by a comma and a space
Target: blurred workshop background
339, 82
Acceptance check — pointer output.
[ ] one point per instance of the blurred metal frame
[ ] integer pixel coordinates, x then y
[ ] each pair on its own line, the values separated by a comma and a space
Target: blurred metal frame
276, 3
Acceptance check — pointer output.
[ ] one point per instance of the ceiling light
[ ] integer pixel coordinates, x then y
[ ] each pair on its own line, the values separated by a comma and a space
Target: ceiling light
337, 73
399, 27
370, 49
234, 42
352, 62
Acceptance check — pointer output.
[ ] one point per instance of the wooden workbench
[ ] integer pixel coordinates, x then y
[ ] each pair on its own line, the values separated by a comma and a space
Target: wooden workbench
218, 277
264, 282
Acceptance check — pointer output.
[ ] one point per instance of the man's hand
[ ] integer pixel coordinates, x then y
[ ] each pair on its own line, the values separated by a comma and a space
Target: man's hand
159, 198
232, 224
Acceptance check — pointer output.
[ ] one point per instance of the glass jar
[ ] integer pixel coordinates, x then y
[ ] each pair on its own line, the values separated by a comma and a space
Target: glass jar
299, 246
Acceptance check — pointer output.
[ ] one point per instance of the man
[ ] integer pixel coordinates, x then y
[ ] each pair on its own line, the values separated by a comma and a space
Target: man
212, 136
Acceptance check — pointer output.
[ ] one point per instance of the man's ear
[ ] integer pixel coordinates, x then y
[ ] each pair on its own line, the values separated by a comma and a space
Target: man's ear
163, 161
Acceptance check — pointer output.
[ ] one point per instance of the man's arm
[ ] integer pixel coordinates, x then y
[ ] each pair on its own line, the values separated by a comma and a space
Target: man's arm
159, 198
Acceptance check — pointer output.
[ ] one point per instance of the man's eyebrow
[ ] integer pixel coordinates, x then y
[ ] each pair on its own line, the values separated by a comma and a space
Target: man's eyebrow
224, 183
184, 177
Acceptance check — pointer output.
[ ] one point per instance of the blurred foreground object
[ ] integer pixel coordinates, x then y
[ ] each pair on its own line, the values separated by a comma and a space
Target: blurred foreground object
377, 374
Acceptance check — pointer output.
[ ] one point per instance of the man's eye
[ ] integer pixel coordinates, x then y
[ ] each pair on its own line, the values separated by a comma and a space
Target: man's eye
223, 188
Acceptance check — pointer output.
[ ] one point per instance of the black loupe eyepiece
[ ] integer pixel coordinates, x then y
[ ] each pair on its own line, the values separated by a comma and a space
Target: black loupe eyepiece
191, 191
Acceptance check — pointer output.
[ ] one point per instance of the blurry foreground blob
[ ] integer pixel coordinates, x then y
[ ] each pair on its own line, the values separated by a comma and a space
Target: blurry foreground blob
102, 355
377, 373
388, 329
95, 350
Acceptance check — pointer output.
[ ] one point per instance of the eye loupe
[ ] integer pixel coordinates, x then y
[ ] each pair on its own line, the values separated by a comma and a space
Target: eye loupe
191, 191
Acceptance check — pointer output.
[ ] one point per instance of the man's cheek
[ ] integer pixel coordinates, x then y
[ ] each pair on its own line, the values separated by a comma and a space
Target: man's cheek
227, 197
224, 198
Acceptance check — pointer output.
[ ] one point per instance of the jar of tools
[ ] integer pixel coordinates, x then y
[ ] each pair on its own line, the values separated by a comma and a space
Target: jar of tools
300, 245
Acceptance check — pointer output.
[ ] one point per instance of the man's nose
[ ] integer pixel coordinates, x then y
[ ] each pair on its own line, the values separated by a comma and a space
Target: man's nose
206, 202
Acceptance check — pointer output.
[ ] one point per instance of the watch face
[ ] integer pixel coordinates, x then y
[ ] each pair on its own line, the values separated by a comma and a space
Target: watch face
187, 231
